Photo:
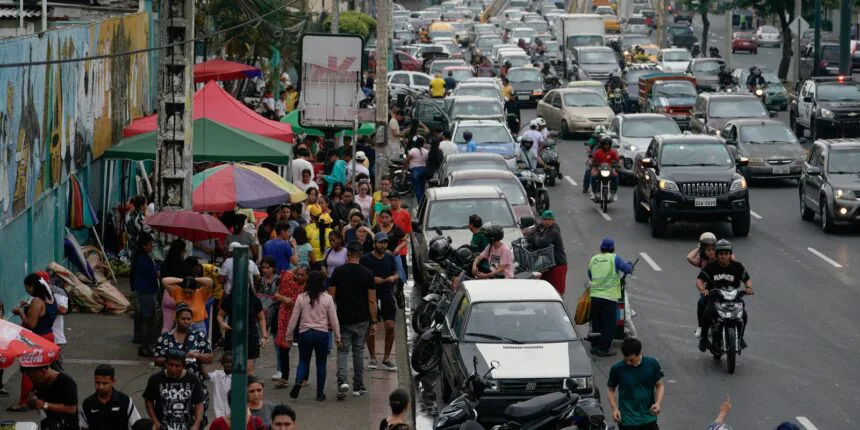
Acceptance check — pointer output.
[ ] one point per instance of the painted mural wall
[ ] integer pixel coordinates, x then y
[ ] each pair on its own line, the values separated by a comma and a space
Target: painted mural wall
57, 118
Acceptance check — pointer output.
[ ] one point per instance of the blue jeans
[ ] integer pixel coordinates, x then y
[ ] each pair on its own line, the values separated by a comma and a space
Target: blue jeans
316, 342
417, 175
613, 183
603, 316
352, 337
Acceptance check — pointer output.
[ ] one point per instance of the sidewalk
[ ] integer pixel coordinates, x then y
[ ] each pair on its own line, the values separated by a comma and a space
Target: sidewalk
96, 339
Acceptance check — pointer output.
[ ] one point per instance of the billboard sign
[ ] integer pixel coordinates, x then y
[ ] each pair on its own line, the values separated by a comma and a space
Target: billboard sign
331, 80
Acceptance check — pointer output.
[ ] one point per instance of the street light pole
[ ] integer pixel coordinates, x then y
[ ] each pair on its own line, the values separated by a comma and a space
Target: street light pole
727, 38
383, 34
816, 59
845, 39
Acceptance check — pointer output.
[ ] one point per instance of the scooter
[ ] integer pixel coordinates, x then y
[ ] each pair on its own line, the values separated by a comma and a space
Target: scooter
616, 101
553, 164
401, 182
602, 195
724, 334
533, 182
761, 92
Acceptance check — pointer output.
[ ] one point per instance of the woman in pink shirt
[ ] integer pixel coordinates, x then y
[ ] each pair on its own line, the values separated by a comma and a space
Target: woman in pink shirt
314, 314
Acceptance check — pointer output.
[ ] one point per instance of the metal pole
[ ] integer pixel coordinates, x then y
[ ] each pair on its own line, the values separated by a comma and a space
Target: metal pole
661, 11
44, 15
727, 38
21, 16
239, 326
794, 69
816, 59
845, 39
335, 16
383, 34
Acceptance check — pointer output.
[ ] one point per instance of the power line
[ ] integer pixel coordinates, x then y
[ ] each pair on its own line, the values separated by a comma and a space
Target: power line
144, 50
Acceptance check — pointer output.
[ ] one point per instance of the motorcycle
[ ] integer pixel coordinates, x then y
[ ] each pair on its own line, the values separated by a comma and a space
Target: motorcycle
724, 334
616, 101
401, 182
442, 271
553, 165
761, 92
533, 182
551, 83
604, 179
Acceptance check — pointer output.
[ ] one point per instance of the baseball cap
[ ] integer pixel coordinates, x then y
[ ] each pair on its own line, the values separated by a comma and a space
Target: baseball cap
381, 237
360, 156
607, 243
548, 214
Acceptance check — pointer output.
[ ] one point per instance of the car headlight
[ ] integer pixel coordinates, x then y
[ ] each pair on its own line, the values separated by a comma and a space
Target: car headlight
825, 113
582, 383
738, 185
537, 92
667, 185
845, 194
759, 92
756, 160
631, 147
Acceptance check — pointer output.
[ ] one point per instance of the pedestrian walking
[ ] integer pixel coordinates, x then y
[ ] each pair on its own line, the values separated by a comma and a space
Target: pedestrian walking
402, 219
257, 334
265, 290
257, 404
291, 285
143, 278
283, 418
385, 276
226, 271
398, 401
605, 292
107, 408
251, 422
280, 248
175, 398
221, 385
354, 290
56, 397
549, 233
638, 383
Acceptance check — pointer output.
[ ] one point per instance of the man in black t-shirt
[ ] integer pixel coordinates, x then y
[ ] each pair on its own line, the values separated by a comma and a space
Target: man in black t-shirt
174, 397
385, 275
723, 273
354, 290
56, 396
107, 409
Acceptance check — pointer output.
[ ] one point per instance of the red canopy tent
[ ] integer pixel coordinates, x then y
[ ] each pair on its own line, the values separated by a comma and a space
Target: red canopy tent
214, 103
223, 70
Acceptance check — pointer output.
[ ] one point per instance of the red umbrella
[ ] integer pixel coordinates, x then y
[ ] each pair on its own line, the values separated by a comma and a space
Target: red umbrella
193, 226
223, 70
29, 348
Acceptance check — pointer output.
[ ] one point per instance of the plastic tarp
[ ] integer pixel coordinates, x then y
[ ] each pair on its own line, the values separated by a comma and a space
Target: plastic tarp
213, 103
223, 70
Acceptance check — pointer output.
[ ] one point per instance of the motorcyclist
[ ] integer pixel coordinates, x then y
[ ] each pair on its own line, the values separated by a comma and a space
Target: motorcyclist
503, 71
641, 56
723, 273
714, 52
616, 82
604, 155
725, 78
498, 254
699, 257
526, 158
695, 50
755, 79
485, 69
522, 44
535, 136
615, 46
591, 145
540, 48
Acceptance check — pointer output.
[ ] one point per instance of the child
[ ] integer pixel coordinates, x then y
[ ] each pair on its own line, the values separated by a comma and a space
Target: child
382, 204
221, 385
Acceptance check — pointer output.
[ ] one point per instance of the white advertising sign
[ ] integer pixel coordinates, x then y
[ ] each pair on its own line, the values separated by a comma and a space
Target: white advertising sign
331, 80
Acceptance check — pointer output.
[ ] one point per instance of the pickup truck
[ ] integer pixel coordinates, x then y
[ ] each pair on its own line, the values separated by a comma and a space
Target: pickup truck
826, 106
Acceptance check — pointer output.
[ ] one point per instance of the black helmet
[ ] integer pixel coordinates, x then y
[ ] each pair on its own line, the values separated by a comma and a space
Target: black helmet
723, 245
493, 232
439, 248
605, 140
463, 256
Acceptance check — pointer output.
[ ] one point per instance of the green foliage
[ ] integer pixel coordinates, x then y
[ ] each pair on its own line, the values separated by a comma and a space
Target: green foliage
354, 22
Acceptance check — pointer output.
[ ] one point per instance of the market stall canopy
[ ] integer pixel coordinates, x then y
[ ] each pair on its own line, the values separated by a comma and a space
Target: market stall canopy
228, 186
223, 70
214, 103
293, 118
365, 129
213, 141
188, 225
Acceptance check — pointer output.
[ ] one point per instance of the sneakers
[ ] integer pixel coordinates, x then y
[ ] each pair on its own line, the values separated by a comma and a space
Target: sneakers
277, 376
388, 365
372, 364
342, 389
698, 332
591, 195
613, 197
703, 343
359, 391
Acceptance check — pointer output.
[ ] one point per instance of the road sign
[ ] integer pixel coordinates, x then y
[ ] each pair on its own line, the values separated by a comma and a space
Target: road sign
803, 26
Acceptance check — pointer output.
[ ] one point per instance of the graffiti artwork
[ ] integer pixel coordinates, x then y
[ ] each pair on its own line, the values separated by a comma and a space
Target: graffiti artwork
57, 118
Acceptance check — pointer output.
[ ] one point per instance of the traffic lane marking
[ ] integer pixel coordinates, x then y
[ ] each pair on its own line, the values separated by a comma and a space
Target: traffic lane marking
650, 262
806, 423
603, 214
755, 215
827, 259
570, 180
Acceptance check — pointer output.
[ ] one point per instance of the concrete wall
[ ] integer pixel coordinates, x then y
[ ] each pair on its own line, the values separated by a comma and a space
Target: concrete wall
55, 120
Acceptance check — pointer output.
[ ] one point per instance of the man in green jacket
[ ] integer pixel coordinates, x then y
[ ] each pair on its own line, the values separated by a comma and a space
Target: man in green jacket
605, 292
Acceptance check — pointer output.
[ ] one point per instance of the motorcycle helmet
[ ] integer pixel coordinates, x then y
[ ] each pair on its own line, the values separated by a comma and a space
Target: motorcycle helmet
600, 129
605, 140
534, 123
493, 232
463, 256
540, 122
707, 239
527, 141
439, 248
723, 245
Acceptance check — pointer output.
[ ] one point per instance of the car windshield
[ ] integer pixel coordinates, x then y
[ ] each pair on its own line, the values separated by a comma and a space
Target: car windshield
675, 89
830, 52
604, 10
454, 214
538, 26
737, 108
485, 29
745, 36
838, 93
712, 67
441, 34
633, 75
636, 20
476, 108
497, 133
551, 46
457, 26
844, 161
629, 42
585, 41
476, 91
510, 188
583, 99
518, 322
519, 33
486, 43
528, 74
680, 31
677, 56
769, 30
460, 75
767, 133
648, 127
517, 61
695, 155
598, 57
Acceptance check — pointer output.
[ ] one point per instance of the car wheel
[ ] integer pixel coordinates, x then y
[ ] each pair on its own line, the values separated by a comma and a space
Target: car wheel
806, 214
639, 212
565, 131
741, 225
826, 222
659, 226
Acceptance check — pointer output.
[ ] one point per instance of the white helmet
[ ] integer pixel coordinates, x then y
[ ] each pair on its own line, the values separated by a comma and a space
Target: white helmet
533, 123
540, 122
600, 129
707, 238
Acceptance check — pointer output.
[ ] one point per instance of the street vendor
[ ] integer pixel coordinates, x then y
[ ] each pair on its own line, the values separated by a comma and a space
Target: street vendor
548, 233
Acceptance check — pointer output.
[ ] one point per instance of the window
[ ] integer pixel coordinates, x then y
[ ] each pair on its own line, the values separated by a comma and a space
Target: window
695, 155
454, 214
458, 318
421, 80
839, 93
769, 134
510, 188
845, 161
642, 128
652, 149
426, 112
400, 79
524, 321
813, 155
728, 132
613, 128
583, 99
738, 108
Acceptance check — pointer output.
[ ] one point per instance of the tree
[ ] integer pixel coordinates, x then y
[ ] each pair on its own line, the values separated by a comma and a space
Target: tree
354, 22
784, 11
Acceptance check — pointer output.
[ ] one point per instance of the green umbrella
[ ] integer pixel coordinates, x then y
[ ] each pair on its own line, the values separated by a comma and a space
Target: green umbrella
292, 119
213, 141
365, 129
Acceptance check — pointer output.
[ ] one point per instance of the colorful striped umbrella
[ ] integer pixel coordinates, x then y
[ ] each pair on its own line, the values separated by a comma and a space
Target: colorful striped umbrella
81, 212
225, 187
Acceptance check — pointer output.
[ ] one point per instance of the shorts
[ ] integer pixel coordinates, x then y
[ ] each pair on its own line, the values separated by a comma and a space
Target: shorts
386, 309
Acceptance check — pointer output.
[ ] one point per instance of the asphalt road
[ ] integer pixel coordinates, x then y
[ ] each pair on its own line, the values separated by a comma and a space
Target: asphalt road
802, 332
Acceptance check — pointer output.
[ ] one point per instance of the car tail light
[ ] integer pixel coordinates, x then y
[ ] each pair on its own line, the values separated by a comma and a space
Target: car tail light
822, 65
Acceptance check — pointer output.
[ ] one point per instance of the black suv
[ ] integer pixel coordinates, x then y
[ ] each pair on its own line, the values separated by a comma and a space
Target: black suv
829, 184
713, 111
690, 178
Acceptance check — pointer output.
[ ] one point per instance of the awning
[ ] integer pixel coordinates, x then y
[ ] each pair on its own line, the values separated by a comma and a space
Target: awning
223, 70
212, 142
12, 12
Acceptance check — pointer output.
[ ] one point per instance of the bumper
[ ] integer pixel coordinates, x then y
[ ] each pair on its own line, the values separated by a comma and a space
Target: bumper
780, 102
585, 125
785, 171
770, 42
837, 127
851, 215
678, 207
528, 98
745, 48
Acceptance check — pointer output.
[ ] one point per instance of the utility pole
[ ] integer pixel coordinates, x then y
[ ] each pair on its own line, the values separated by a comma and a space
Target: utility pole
239, 323
845, 39
335, 16
661, 18
174, 155
816, 58
727, 38
794, 67
44, 15
383, 33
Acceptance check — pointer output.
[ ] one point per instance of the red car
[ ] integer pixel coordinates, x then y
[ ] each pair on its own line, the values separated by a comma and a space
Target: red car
744, 42
402, 61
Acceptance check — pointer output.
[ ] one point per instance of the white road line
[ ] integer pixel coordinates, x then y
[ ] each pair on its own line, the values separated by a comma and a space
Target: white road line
604, 215
650, 262
755, 215
806, 423
569, 179
827, 259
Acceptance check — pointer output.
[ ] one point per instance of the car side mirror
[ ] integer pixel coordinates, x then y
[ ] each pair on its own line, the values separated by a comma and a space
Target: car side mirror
416, 226
647, 162
526, 222
772, 113
813, 171
742, 161
731, 142
807, 99
802, 140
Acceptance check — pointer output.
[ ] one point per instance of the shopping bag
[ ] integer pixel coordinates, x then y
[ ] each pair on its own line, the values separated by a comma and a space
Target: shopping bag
583, 308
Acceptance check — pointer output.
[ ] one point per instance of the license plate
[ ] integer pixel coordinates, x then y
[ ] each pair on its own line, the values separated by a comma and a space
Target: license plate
706, 202
781, 170
523, 98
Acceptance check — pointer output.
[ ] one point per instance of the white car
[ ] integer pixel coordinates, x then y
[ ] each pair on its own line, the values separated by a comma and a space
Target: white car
768, 35
674, 59
412, 80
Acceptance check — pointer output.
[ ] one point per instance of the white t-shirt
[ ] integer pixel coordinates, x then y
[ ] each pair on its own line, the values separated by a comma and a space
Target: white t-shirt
359, 169
59, 327
366, 205
220, 387
418, 157
227, 271
305, 187
296, 168
448, 147
536, 137
395, 149
269, 103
